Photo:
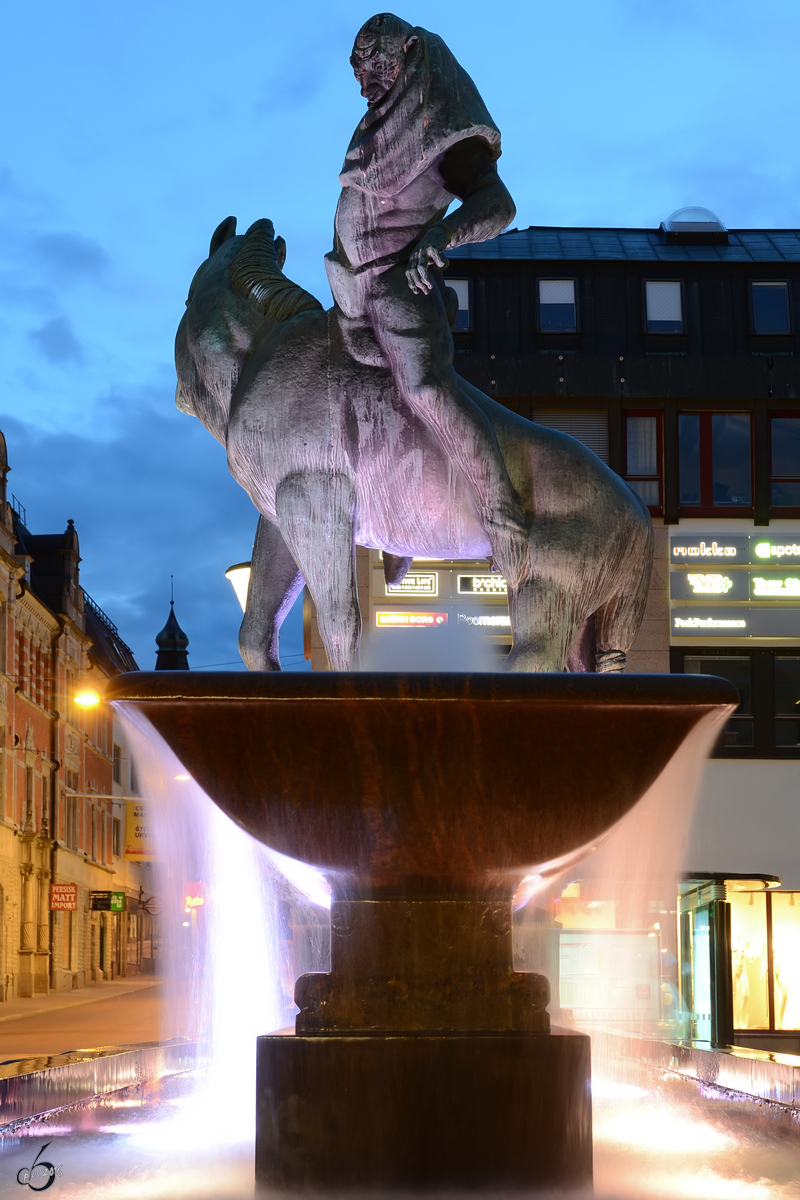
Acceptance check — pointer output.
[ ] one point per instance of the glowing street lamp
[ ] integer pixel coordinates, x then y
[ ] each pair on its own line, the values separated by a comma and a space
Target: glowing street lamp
86, 697
239, 576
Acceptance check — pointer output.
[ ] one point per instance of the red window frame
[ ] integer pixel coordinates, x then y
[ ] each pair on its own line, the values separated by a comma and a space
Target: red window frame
706, 507
775, 509
655, 510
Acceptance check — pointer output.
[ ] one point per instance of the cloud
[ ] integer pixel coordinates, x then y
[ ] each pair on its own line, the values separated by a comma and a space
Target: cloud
68, 256
57, 342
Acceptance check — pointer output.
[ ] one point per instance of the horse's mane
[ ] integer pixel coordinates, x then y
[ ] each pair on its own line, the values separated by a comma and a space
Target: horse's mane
257, 277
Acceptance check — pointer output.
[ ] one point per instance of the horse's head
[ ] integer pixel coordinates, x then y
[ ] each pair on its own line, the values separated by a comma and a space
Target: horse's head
237, 295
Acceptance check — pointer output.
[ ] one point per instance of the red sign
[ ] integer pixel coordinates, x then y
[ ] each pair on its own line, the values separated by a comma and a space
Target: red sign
63, 896
410, 620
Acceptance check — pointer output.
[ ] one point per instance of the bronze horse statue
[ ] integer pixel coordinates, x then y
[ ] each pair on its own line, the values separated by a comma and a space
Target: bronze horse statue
319, 439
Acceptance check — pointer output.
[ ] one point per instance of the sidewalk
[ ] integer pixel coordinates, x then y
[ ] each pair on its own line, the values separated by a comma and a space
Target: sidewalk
13, 1010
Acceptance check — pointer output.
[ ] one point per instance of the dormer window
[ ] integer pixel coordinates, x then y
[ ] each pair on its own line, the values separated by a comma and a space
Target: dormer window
664, 305
557, 306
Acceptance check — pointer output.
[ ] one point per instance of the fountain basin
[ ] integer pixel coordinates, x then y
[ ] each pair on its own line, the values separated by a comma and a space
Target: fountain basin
429, 785
422, 1059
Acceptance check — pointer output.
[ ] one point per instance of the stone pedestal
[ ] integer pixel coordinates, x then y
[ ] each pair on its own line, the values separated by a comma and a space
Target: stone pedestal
425, 1112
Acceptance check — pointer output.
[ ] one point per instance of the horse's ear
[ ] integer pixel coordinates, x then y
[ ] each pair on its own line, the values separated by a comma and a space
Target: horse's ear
224, 231
280, 251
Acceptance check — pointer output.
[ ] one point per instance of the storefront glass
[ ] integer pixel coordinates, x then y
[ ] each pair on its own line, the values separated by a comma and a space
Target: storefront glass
749, 959
786, 959
739, 729
701, 976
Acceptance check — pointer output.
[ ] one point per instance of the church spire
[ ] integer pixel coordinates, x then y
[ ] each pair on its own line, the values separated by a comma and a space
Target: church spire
172, 645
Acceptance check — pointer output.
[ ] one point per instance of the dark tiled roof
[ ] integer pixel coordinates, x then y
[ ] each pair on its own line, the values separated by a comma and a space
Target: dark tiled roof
554, 242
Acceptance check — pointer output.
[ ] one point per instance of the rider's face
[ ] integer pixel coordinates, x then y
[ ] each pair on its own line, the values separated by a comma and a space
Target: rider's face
376, 67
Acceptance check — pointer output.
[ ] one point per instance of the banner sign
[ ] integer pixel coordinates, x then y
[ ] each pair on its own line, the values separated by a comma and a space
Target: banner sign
108, 901
418, 584
139, 841
63, 897
739, 620
723, 550
482, 585
762, 586
409, 620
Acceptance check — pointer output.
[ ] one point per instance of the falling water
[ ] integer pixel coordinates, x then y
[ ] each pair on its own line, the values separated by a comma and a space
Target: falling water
264, 922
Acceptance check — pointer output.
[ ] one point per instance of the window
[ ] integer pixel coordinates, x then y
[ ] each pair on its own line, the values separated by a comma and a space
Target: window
787, 701
557, 306
117, 764
739, 729
767, 722
785, 461
463, 320
134, 778
116, 837
770, 308
715, 460
664, 304
643, 457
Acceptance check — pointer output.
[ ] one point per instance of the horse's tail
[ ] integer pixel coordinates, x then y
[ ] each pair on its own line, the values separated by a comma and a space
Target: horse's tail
257, 276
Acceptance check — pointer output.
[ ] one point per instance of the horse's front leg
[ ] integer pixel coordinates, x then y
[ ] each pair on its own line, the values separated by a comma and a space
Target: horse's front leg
316, 516
275, 583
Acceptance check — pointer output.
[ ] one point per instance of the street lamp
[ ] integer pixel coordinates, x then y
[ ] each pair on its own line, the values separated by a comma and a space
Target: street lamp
86, 697
239, 575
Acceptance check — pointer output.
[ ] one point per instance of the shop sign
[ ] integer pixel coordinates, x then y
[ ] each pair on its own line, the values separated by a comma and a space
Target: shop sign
775, 549
484, 620
139, 840
63, 897
719, 548
688, 585
482, 585
739, 621
418, 584
734, 585
108, 901
409, 620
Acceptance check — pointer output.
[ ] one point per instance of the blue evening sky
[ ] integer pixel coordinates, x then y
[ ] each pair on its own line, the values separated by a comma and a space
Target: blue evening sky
131, 130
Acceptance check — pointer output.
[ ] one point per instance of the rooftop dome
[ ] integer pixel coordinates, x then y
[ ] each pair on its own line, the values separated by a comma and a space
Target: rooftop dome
172, 645
694, 224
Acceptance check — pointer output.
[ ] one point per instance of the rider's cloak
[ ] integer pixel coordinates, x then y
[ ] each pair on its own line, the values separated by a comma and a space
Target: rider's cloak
432, 105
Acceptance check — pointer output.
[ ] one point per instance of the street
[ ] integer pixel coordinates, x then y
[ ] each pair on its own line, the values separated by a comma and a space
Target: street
108, 1014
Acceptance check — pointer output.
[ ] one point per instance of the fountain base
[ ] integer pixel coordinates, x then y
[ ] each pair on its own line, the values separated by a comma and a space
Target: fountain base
508, 1111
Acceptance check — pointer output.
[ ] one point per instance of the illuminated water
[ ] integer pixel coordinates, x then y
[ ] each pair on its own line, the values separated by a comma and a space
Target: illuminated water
262, 922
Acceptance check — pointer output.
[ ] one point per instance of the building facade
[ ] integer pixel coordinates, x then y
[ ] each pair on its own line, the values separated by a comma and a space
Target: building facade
60, 846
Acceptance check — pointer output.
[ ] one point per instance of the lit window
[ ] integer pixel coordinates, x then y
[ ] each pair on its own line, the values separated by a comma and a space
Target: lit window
461, 288
787, 701
557, 306
664, 306
739, 729
715, 460
770, 307
785, 461
643, 457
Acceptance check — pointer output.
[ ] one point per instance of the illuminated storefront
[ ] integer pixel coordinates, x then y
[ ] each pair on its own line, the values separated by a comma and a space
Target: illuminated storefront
740, 962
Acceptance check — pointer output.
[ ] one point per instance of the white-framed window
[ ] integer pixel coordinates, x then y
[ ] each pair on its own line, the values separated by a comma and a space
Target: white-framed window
664, 305
462, 290
557, 312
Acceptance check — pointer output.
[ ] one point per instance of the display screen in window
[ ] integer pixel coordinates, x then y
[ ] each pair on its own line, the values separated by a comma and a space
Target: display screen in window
749, 959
